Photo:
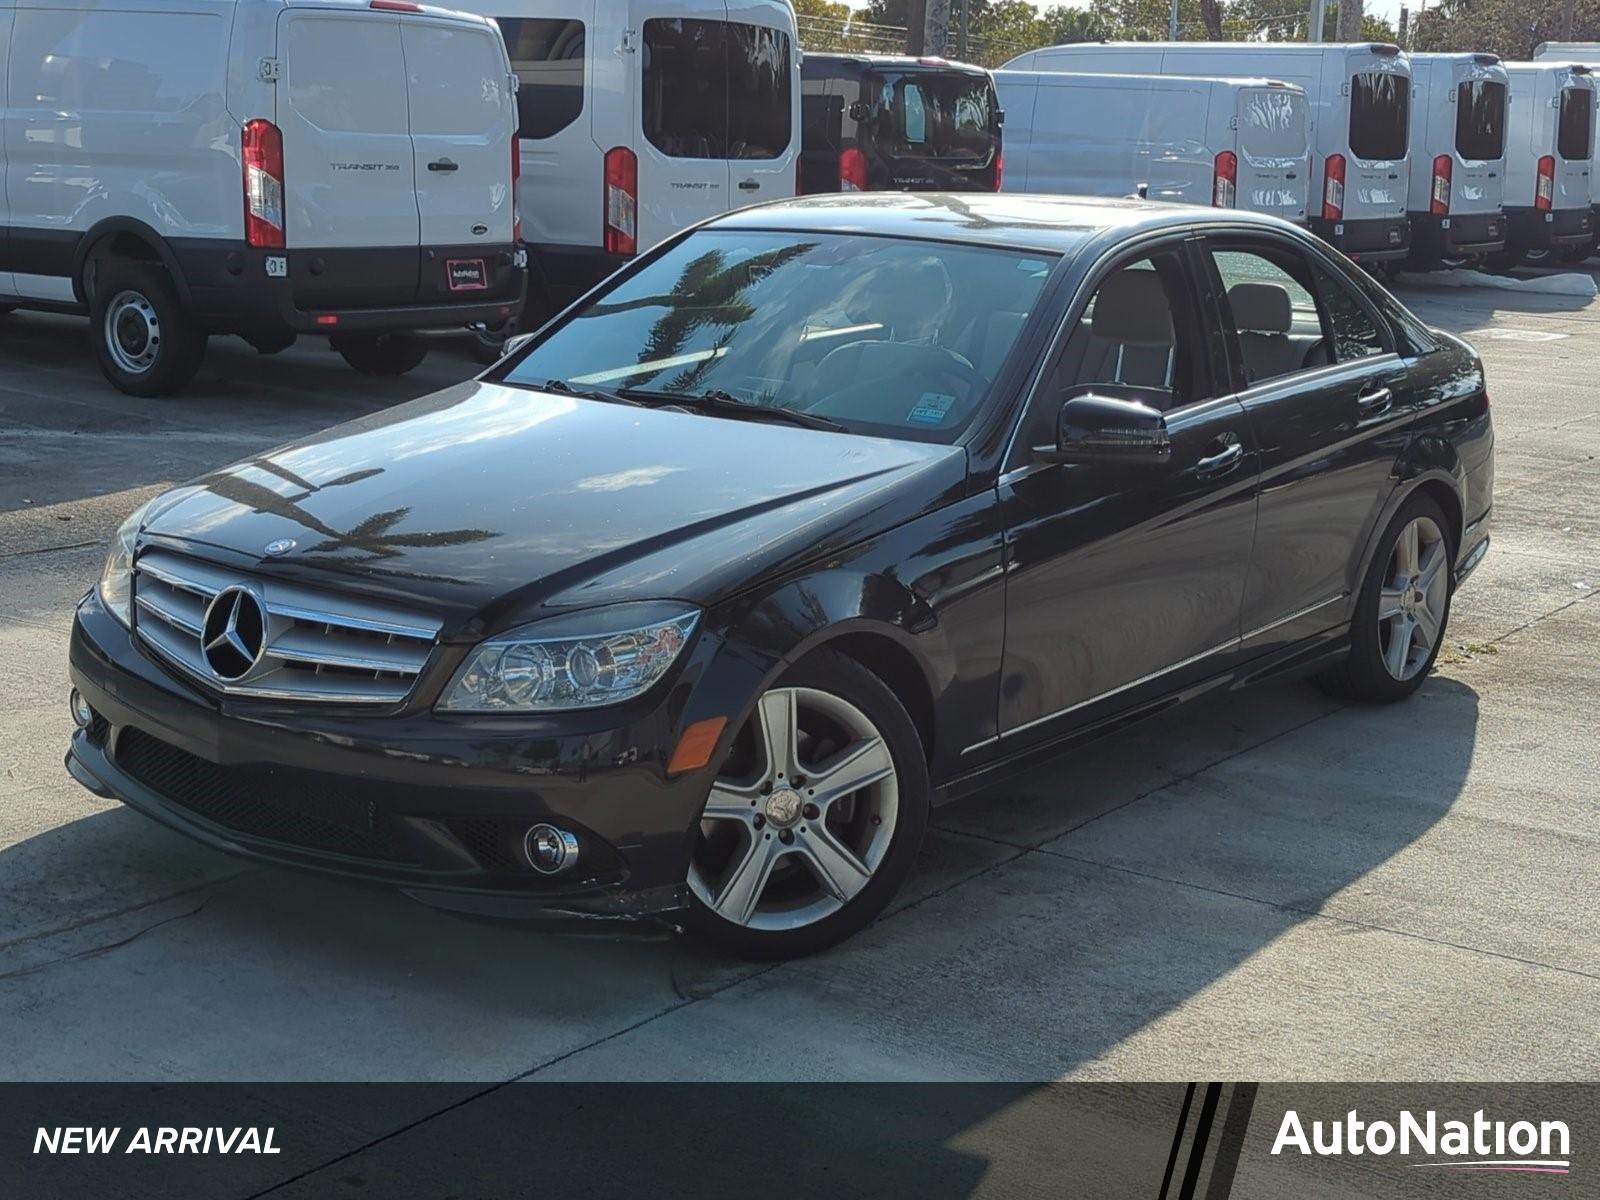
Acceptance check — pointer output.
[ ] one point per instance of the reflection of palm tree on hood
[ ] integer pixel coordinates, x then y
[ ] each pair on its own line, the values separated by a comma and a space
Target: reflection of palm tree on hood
709, 292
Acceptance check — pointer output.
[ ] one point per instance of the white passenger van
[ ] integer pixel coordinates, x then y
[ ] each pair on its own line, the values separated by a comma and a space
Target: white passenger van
1232, 143
639, 118
1549, 201
179, 168
1359, 96
1458, 148
1587, 53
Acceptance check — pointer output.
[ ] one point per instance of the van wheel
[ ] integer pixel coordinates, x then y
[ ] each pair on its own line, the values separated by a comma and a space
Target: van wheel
383, 354
145, 342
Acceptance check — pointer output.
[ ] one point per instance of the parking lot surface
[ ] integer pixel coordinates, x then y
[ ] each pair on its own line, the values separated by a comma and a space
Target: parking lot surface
1272, 885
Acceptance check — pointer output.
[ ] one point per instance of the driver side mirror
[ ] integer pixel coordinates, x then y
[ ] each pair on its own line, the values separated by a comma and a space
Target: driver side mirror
1103, 429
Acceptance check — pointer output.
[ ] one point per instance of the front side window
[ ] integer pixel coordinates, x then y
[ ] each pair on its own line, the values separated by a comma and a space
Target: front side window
547, 55
1380, 110
1481, 119
716, 89
1574, 134
1274, 314
887, 336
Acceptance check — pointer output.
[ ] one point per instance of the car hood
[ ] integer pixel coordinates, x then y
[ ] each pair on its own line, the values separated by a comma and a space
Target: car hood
489, 506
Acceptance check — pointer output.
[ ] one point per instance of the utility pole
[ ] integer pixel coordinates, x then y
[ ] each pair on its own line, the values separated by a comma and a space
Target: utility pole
1314, 23
1349, 27
1566, 20
1172, 23
961, 37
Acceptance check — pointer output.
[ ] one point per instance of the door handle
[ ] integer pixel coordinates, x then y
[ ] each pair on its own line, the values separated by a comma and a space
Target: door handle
749, 185
1375, 403
1223, 460
443, 165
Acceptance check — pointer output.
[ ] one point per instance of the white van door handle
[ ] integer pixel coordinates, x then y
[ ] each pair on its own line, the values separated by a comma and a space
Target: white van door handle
749, 185
444, 165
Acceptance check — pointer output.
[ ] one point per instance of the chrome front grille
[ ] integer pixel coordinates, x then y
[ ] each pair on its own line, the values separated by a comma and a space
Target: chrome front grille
314, 646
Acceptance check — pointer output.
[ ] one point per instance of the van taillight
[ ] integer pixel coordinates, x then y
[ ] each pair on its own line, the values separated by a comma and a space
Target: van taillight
516, 188
999, 169
1333, 189
1439, 206
852, 170
1544, 187
622, 201
1225, 180
262, 147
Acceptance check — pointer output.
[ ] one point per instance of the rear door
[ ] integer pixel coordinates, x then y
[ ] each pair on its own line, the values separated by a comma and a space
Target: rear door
1574, 145
1379, 128
462, 115
683, 114
1274, 151
1478, 184
342, 106
763, 103
931, 130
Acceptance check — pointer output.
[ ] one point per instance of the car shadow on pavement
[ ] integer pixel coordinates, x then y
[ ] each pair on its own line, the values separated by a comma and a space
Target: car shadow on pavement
1061, 918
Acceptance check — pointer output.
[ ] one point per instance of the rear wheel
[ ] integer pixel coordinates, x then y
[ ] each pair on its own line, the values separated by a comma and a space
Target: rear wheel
1402, 612
382, 354
815, 819
146, 344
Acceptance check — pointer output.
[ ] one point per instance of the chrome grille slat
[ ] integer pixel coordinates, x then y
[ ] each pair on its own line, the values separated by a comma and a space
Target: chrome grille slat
320, 647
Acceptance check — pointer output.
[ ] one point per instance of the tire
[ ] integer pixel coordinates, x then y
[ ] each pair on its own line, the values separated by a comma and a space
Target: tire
1375, 672
1537, 258
386, 355
145, 342
765, 838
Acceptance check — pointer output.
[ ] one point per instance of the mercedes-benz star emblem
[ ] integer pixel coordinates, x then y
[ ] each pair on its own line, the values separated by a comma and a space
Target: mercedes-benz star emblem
281, 546
234, 633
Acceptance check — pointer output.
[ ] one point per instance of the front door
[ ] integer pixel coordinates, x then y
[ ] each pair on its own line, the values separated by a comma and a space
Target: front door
1327, 401
1125, 579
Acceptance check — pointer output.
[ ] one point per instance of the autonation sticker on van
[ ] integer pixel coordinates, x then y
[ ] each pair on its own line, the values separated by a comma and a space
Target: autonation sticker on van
1477, 1144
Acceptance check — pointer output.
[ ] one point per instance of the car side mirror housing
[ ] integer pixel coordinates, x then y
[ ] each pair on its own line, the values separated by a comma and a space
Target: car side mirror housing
1095, 428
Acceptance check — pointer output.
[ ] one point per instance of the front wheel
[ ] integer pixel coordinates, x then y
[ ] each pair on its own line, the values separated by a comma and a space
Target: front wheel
1402, 611
815, 818
382, 354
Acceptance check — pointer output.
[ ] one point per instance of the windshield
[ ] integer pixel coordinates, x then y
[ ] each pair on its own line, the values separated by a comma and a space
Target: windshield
1380, 110
1481, 119
889, 336
924, 114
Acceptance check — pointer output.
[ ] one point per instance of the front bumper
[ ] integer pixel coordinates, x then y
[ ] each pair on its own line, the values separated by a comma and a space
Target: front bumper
436, 806
1382, 239
1535, 229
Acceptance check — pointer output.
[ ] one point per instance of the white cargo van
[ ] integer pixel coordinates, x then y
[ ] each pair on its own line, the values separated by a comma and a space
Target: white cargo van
1359, 97
1232, 143
1587, 53
1458, 150
1549, 160
639, 118
178, 168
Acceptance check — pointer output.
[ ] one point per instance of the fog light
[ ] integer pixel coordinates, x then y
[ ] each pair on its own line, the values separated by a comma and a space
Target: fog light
550, 850
82, 714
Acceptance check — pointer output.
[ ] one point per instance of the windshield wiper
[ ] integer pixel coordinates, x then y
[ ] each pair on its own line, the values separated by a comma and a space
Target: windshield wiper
566, 389
727, 404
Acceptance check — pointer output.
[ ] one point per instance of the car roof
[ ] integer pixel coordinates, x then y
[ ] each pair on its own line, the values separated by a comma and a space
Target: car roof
1007, 219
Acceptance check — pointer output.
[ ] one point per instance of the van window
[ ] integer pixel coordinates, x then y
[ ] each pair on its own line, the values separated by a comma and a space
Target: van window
547, 55
928, 115
1481, 119
1380, 110
319, 55
1272, 124
692, 72
1574, 139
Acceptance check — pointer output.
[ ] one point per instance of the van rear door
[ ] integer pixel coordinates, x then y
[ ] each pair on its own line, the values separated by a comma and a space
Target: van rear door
1478, 174
1377, 175
930, 129
350, 187
1274, 151
683, 172
763, 95
1574, 145
462, 115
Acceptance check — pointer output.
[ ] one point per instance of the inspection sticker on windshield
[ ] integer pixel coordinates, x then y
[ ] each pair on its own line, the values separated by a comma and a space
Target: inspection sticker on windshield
931, 409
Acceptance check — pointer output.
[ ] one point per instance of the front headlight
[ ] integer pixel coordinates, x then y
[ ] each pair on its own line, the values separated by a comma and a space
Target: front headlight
584, 660
116, 579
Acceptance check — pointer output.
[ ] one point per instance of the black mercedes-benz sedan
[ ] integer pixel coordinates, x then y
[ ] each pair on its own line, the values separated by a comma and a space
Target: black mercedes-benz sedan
816, 516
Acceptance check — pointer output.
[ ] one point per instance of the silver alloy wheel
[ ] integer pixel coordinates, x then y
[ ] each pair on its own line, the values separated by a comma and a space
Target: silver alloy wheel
132, 332
1414, 598
809, 834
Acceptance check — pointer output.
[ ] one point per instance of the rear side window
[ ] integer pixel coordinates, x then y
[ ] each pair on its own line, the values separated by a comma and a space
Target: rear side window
1272, 124
458, 79
1481, 119
716, 89
1380, 110
320, 50
1355, 333
547, 55
928, 115
1575, 136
